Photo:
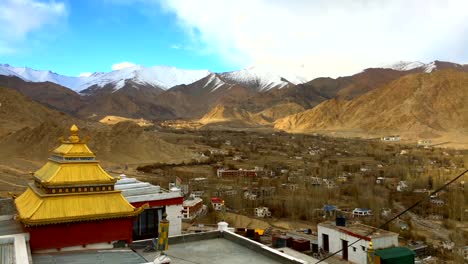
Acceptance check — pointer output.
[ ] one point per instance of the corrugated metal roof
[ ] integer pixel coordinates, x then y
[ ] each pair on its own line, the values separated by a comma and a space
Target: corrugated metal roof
90, 257
136, 191
7, 253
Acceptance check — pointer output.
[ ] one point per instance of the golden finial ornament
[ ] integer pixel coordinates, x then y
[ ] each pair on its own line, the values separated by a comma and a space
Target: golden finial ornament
74, 138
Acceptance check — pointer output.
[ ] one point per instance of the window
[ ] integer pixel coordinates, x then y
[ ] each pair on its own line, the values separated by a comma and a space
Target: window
354, 249
363, 248
147, 223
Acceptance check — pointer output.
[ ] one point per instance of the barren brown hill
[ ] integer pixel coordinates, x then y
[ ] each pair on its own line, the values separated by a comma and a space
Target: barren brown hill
279, 111
225, 114
47, 93
234, 115
418, 104
123, 143
17, 111
28, 130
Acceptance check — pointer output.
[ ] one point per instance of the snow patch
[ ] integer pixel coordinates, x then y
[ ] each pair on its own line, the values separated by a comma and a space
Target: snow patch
263, 78
410, 65
215, 82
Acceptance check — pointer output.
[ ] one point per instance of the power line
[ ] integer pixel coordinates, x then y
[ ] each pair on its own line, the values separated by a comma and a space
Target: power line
398, 215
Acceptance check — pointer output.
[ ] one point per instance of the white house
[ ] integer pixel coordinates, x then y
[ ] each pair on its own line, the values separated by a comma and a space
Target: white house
192, 207
262, 212
358, 212
332, 238
391, 138
424, 142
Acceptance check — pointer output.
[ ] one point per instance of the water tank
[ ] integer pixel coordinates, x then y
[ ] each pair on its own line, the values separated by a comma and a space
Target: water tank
340, 221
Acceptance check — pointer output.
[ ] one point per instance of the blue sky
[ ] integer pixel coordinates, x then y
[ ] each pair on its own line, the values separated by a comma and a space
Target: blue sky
91, 36
310, 38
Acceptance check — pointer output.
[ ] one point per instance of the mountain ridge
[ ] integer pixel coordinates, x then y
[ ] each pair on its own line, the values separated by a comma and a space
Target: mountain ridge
420, 103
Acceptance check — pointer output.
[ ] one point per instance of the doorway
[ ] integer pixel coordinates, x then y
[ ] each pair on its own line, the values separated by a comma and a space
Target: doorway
344, 247
325, 242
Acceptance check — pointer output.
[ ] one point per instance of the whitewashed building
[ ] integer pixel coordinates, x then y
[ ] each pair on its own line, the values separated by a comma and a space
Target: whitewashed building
192, 208
391, 138
160, 201
333, 237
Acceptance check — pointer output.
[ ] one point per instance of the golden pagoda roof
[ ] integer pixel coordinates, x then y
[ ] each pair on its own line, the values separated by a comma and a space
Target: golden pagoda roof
71, 187
73, 150
72, 163
73, 173
39, 209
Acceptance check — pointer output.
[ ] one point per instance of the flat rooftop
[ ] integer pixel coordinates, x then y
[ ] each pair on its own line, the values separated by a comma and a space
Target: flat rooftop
359, 230
217, 247
7, 207
117, 256
192, 202
299, 255
218, 250
10, 227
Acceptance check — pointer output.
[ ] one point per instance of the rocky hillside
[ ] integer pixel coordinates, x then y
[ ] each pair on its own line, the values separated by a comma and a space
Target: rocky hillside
229, 114
29, 130
17, 111
423, 103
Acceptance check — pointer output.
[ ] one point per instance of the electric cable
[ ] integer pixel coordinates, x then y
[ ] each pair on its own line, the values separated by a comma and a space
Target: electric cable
398, 215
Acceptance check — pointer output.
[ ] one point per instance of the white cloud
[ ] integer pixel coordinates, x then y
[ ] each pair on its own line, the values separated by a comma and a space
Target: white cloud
326, 37
122, 65
85, 74
175, 46
18, 18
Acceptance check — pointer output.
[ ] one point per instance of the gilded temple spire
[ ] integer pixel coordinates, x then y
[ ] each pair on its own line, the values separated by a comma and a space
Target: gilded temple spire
74, 138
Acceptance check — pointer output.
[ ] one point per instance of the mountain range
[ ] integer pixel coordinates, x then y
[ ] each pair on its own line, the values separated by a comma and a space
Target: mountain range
396, 97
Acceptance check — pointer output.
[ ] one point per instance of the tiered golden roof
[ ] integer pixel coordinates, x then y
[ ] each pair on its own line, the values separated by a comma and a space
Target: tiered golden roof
72, 187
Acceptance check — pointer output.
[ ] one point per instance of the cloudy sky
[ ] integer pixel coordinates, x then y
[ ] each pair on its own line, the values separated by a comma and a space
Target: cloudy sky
312, 38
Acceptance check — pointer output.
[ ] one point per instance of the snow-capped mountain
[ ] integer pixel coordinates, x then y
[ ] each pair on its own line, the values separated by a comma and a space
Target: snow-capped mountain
32, 75
262, 78
214, 82
424, 67
163, 77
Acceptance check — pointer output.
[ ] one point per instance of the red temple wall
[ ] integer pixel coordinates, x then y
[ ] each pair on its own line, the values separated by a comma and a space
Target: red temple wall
80, 233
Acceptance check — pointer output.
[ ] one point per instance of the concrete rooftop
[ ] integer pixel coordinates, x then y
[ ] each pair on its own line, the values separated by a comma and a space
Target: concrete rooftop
217, 247
118, 256
218, 250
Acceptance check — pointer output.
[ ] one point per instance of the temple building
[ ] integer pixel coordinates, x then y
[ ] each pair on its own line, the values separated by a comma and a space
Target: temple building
72, 202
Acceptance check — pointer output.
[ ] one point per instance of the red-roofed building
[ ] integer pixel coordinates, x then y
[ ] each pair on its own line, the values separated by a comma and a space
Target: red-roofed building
217, 203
